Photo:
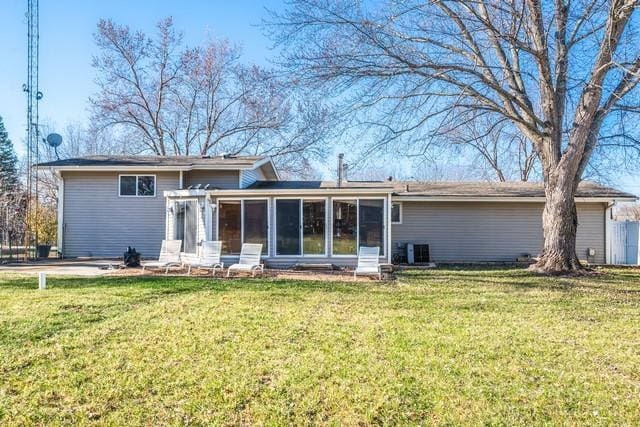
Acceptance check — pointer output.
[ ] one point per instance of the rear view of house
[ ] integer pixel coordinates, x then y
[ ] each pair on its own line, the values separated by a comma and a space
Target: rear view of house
107, 203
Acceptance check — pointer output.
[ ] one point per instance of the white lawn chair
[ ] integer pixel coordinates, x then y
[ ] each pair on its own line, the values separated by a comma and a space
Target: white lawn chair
249, 259
209, 258
368, 262
169, 256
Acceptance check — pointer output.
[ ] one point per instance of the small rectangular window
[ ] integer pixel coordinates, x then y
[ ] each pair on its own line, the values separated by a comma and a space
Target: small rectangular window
146, 185
396, 213
127, 185
138, 185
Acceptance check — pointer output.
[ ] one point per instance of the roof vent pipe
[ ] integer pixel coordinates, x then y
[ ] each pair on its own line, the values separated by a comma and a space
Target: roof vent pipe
340, 169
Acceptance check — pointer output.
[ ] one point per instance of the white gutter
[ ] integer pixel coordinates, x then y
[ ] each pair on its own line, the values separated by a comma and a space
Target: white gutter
504, 199
608, 225
143, 168
60, 239
389, 227
360, 191
257, 192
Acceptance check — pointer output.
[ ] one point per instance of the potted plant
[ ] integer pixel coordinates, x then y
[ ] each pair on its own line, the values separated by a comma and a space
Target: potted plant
46, 227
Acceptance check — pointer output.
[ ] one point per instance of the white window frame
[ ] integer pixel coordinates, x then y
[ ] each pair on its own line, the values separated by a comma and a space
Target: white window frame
242, 200
385, 219
400, 207
155, 184
301, 226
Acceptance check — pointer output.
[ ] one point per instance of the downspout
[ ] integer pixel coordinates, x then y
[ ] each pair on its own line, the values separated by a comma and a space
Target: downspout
389, 228
181, 182
60, 239
607, 231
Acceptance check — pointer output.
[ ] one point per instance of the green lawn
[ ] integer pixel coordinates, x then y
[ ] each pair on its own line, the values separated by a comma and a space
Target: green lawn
436, 347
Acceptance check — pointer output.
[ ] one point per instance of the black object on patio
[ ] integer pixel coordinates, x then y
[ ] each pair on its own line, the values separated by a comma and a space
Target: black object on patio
131, 257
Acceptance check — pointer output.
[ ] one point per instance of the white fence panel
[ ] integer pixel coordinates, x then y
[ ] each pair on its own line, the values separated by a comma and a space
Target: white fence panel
623, 242
633, 233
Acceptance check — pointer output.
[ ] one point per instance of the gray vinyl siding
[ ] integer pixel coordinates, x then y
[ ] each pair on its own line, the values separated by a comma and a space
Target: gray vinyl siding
248, 177
484, 232
215, 178
99, 223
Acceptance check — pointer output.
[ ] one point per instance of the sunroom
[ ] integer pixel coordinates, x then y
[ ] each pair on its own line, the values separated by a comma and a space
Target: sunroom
293, 226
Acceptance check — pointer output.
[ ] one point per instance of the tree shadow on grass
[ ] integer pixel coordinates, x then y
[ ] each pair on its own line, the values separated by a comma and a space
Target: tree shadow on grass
168, 285
514, 280
79, 308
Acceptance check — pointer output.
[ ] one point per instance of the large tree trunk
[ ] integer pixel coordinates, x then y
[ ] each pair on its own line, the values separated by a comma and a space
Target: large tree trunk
559, 225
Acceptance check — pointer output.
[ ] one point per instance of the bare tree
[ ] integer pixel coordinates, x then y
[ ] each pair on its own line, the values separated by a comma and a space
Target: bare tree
560, 72
159, 96
501, 152
170, 99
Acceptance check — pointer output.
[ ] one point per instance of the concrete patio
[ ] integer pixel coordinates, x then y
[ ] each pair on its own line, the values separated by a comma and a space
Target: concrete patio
75, 267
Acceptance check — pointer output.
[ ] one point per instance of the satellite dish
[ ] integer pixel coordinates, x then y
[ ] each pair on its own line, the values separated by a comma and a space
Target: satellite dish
54, 140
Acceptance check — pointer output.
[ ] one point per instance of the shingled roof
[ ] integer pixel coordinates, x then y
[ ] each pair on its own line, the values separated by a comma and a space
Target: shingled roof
586, 189
160, 161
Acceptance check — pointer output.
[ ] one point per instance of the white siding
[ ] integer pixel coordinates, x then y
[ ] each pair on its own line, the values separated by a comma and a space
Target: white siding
482, 232
248, 177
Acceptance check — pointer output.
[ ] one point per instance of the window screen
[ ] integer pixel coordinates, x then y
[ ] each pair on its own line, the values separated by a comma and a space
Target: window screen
345, 227
288, 227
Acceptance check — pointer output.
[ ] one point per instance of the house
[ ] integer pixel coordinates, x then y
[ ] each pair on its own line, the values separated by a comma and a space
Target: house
107, 203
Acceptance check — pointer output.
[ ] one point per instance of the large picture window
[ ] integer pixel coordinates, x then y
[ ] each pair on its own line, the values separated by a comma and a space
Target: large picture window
371, 223
358, 223
313, 227
137, 185
243, 221
230, 226
288, 227
300, 227
345, 227
256, 217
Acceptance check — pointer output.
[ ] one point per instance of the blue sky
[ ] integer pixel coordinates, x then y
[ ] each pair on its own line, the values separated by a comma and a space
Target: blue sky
66, 49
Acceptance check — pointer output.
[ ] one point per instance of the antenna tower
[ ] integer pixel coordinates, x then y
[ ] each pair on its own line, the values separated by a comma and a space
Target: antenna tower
33, 131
